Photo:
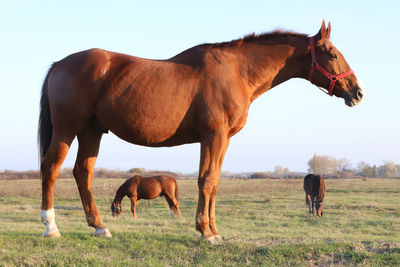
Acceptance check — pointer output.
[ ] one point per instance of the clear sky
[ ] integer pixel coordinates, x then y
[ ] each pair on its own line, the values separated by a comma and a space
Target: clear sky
285, 126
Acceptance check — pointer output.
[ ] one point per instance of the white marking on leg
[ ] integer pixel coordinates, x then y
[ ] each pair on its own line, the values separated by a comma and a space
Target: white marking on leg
172, 213
210, 239
218, 239
48, 219
102, 232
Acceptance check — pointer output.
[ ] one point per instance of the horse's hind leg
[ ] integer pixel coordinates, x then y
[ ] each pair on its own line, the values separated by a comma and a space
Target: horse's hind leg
50, 168
89, 142
173, 203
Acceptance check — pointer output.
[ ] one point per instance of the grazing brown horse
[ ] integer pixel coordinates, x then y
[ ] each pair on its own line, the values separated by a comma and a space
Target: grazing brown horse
314, 186
139, 187
200, 95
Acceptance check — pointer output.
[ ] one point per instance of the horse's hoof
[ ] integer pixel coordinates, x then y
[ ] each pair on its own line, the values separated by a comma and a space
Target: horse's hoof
102, 232
55, 233
218, 239
210, 239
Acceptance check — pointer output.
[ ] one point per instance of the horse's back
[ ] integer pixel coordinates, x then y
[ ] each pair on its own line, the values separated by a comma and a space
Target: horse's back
314, 185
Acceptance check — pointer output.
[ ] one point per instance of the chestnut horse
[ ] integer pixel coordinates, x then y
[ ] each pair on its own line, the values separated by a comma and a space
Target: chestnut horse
314, 187
139, 187
200, 95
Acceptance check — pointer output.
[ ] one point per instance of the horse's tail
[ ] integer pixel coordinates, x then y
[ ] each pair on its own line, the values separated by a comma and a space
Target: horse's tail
45, 127
176, 190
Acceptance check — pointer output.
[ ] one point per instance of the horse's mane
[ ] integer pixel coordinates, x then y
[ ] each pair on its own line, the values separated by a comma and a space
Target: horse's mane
279, 33
198, 50
124, 186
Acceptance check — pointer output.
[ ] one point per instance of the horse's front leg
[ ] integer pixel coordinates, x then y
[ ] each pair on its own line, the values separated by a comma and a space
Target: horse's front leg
308, 201
213, 226
89, 142
312, 207
213, 148
133, 206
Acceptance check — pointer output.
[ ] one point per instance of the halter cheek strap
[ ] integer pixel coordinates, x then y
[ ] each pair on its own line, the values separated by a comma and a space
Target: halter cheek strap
315, 66
116, 209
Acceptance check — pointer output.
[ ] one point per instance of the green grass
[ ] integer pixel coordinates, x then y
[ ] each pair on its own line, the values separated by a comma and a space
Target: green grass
263, 223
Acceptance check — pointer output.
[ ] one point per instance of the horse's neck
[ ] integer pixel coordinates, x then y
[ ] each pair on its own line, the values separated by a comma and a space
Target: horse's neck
264, 66
121, 193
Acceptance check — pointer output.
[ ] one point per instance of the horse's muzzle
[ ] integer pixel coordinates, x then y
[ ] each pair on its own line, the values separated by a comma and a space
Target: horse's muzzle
353, 100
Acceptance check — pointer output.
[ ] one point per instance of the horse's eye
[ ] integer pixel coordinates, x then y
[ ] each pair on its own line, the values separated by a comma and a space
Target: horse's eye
333, 56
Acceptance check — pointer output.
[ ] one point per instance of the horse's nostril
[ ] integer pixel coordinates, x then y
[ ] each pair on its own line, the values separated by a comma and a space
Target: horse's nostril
359, 94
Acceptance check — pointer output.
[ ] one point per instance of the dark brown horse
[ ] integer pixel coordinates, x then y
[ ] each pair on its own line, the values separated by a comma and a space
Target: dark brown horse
139, 187
200, 95
314, 186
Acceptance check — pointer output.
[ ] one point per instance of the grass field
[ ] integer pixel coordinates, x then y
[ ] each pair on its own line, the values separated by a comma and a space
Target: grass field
263, 223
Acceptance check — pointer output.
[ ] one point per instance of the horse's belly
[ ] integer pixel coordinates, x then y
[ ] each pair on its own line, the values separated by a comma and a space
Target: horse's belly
149, 189
149, 117
153, 132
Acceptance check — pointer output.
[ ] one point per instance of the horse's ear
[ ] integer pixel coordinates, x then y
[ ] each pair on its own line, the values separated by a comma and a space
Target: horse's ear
328, 31
321, 35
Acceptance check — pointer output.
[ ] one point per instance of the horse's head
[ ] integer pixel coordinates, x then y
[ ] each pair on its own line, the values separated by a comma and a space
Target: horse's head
115, 209
330, 70
319, 206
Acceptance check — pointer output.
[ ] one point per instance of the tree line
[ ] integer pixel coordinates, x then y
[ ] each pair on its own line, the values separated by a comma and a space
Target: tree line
327, 165
331, 167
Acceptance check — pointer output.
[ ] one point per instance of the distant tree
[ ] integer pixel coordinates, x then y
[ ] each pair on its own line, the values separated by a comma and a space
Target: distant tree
365, 170
286, 172
375, 171
281, 172
347, 174
278, 172
361, 166
344, 165
258, 175
137, 170
226, 174
388, 169
323, 164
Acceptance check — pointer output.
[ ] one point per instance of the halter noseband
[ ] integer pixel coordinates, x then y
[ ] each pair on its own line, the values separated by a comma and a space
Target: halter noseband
331, 77
115, 208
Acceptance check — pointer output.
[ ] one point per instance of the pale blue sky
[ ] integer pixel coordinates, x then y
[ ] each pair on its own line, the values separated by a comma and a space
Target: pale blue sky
285, 126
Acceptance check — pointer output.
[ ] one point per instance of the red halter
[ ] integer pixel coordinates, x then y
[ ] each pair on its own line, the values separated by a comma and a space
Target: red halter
331, 77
